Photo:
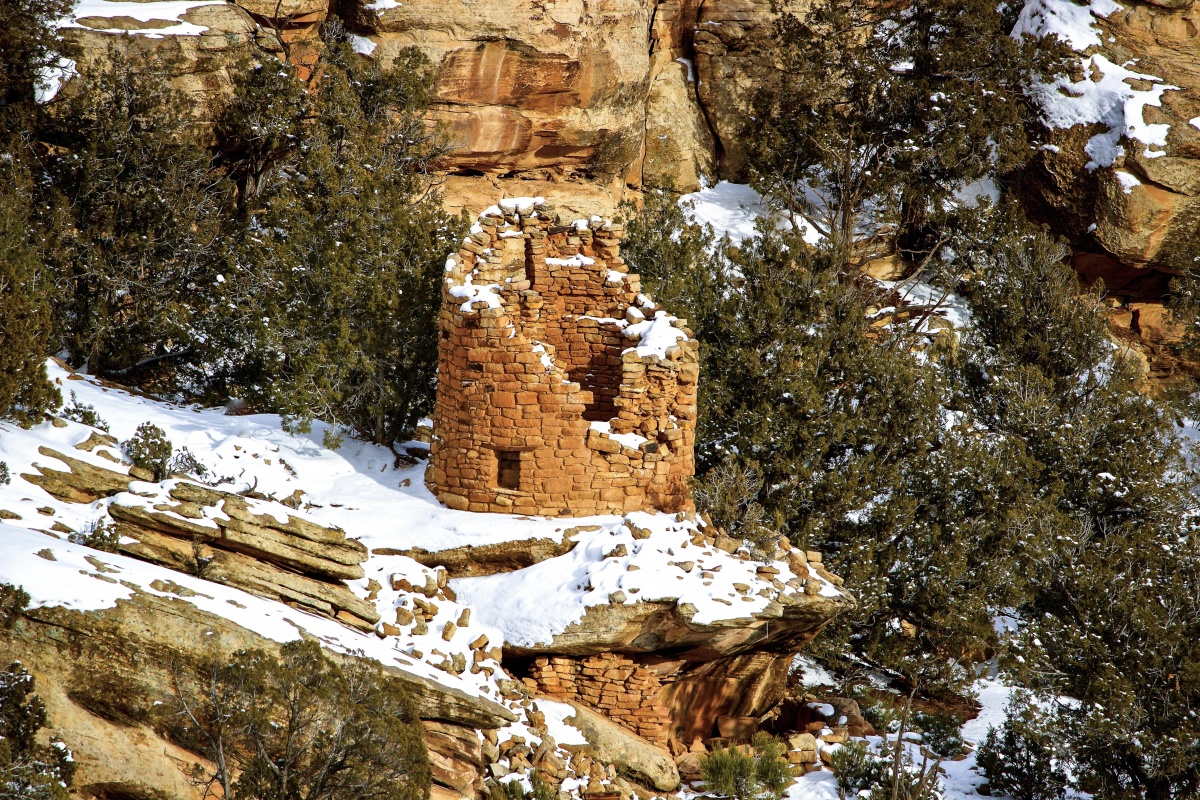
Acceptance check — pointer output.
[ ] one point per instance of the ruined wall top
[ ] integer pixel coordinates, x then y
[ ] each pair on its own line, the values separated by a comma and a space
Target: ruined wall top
563, 390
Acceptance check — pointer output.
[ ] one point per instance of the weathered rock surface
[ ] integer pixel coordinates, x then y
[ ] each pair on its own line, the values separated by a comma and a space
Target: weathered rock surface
733, 57
1150, 217
472, 561
530, 86
99, 674
215, 534
631, 754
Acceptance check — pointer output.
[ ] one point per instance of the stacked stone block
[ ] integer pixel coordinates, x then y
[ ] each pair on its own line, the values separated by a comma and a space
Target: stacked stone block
622, 690
544, 404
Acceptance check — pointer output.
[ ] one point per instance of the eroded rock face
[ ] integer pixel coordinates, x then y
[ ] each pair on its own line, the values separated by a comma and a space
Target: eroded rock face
733, 56
548, 89
100, 672
1143, 211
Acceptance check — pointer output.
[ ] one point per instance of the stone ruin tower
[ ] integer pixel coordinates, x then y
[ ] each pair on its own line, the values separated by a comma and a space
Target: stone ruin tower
562, 390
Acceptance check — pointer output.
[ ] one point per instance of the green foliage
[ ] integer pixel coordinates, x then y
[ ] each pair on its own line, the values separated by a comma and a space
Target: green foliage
878, 708
301, 725
857, 768
882, 112
1110, 549
886, 772
772, 772
25, 311
150, 449
514, 789
134, 215
84, 414
761, 772
728, 772
940, 732
845, 427
29, 46
29, 770
1023, 757
337, 284
99, 535
13, 602
5, 477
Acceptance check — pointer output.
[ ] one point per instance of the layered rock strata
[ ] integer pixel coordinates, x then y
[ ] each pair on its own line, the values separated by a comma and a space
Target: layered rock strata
562, 390
218, 535
101, 673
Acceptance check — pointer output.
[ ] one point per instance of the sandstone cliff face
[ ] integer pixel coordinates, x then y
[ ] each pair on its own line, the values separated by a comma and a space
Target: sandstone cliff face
1143, 211
576, 101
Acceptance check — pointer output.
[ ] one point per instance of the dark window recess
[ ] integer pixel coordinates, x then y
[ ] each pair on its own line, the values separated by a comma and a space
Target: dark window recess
475, 366
508, 469
445, 333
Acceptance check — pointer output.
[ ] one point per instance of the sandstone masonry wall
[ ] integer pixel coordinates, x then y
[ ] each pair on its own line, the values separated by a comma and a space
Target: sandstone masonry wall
617, 687
562, 390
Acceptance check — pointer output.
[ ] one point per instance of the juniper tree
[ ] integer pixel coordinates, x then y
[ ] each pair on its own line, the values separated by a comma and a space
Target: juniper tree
843, 423
136, 217
298, 726
337, 281
25, 308
878, 113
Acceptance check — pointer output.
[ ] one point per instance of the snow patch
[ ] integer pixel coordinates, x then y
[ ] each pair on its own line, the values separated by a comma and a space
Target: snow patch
1127, 180
732, 209
1070, 22
362, 44
1103, 96
656, 336
165, 10
50, 80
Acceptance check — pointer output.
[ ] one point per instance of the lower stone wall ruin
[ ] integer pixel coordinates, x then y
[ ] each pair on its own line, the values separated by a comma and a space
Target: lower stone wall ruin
617, 687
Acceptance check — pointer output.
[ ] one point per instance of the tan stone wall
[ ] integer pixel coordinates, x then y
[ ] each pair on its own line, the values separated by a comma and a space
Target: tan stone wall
622, 690
544, 405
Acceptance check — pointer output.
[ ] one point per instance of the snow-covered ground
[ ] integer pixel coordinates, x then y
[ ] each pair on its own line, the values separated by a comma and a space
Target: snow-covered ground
359, 489
733, 210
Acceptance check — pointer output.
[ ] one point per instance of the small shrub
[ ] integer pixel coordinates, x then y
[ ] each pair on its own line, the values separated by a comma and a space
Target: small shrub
728, 772
1019, 758
515, 790
28, 770
150, 449
185, 463
98, 535
13, 602
542, 790
857, 768
729, 495
5, 477
941, 733
879, 709
763, 772
772, 772
84, 414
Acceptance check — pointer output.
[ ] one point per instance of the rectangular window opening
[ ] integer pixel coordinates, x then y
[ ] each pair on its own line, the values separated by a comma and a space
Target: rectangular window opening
508, 469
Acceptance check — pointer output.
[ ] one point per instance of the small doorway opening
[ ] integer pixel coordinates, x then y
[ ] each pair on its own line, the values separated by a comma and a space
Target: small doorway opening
508, 469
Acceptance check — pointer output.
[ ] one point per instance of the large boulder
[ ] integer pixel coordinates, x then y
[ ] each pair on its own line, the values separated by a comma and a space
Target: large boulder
1141, 208
632, 755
